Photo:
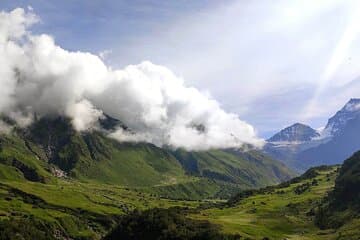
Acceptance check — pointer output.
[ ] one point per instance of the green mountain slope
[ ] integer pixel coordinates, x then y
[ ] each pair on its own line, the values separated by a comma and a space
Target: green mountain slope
51, 147
247, 168
69, 185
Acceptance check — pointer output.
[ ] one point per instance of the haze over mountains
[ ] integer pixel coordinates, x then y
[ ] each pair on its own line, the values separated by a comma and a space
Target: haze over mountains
301, 147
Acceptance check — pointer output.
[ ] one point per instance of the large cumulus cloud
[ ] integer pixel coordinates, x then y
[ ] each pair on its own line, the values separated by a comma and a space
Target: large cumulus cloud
39, 77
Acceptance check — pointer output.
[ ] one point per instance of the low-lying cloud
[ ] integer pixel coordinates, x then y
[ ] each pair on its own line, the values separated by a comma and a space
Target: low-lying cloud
39, 77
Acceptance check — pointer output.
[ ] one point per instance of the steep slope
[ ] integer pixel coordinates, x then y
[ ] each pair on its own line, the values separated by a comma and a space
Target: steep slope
91, 156
51, 147
19, 162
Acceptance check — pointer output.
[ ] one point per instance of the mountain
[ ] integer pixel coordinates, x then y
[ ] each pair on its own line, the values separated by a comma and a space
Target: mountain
342, 138
336, 142
297, 132
51, 147
339, 147
339, 121
286, 144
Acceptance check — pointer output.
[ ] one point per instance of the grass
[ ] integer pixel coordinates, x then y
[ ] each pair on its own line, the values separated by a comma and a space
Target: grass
80, 209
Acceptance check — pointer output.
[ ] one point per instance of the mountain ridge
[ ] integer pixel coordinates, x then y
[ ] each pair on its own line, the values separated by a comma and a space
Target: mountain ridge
336, 142
50, 145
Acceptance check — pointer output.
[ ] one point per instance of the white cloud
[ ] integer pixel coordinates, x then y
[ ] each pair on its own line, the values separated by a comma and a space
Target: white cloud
40, 77
83, 114
266, 60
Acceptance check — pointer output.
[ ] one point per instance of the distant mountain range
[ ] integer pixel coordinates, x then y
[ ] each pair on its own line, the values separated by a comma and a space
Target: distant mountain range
300, 146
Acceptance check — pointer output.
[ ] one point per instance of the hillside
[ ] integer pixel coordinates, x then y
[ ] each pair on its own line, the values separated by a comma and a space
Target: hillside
248, 168
287, 211
50, 147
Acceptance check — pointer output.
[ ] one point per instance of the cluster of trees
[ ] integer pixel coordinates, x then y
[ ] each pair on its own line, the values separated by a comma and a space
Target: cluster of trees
169, 224
24, 228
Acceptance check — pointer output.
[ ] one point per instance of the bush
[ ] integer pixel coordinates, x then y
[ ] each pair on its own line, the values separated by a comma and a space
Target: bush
20, 229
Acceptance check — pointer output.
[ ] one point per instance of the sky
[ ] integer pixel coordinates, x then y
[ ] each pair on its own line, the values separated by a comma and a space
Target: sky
273, 63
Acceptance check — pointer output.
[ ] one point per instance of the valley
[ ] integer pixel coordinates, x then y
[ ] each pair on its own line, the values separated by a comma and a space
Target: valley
241, 194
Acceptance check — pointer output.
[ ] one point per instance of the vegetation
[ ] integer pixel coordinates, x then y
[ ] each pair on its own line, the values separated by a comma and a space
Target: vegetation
171, 224
73, 209
51, 147
343, 204
64, 185
70, 185
283, 211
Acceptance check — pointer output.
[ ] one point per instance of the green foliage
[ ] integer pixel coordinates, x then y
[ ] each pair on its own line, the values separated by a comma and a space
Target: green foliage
169, 224
76, 210
342, 205
20, 229
347, 185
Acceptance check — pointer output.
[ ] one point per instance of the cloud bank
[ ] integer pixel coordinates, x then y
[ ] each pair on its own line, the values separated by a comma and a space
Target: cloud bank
39, 77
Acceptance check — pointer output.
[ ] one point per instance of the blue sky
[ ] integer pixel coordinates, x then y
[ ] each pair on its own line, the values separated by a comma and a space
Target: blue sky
272, 62
96, 25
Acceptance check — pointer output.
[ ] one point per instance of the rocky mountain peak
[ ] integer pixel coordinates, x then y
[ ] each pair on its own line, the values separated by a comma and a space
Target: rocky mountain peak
297, 132
350, 111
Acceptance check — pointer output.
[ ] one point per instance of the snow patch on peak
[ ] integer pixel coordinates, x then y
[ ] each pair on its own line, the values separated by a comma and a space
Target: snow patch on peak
336, 123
